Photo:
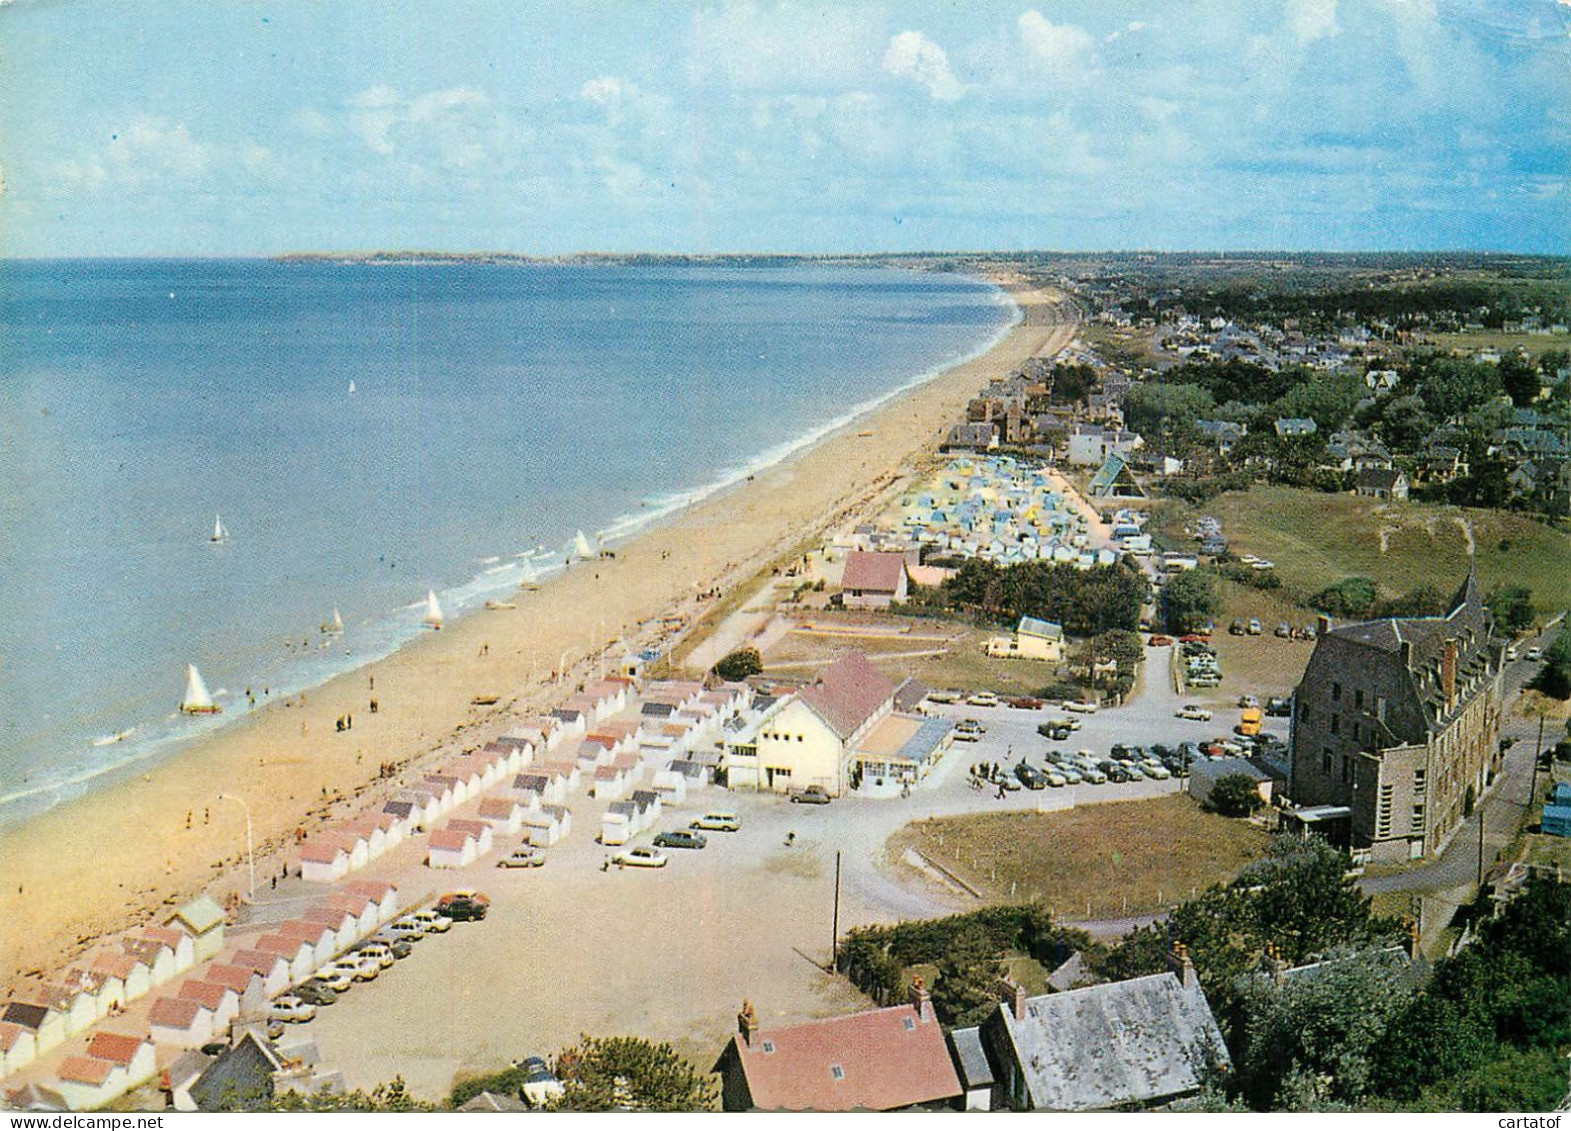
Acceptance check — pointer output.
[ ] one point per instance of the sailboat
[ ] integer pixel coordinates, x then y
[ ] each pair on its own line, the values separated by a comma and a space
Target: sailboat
581, 547
197, 701
433, 611
220, 531
334, 627
351, 387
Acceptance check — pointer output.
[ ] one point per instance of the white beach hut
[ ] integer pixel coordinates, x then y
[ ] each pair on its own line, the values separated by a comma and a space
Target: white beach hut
363, 910
299, 953
445, 789
506, 813
451, 848
245, 982
181, 1023
671, 786
106, 990
344, 923
610, 783
18, 1047
87, 1083
370, 832
77, 1010
616, 823
324, 941
273, 969
134, 1054
485, 836
203, 920
215, 996
47, 1026
323, 860
381, 893
545, 825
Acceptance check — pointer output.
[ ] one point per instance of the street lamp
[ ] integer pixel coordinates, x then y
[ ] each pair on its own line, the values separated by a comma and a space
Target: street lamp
250, 851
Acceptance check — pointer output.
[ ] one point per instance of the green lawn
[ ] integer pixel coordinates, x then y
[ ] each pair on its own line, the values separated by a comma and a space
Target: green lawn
1316, 539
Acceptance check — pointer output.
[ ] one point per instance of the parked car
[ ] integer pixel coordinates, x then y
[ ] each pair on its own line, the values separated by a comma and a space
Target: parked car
382, 955
1285, 631
1030, 776
969, 730
461, 906
1535, 653
1116, 773
1194, 712
681, 838
717, 822
1255, 628
524, 856
943, 696
1091, 775
1236, 628
1052, 731
1512, 652
335, 981
1081, 706
640, 856
400, 946
1026, 703
290, 1008
1248, 701
361, 969
1279, 708
314, 992
1161, 642
982, 699
1153, 768
434, 921
812, 795
1069, 721
540, 1084
1072, 775
405, 930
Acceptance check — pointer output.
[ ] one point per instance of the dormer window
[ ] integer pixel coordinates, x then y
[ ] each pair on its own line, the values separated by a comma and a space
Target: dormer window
769, 1046
910, 1024
837, 1072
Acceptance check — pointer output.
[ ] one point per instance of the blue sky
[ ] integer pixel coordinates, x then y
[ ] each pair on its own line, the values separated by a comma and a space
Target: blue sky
251, 127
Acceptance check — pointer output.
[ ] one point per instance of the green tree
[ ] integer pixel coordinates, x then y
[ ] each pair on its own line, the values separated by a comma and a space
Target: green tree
964, 992
1159, 407
1234, 795
392, 1096
1326, 398
1430, 1039
1350, 597
1515, 1080
1554, 678
1451, 386
740, 664
1519, 377
630, 1074
1189, 600
1512, 606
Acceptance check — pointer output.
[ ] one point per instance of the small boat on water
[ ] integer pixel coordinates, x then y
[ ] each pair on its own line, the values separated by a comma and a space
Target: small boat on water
197, 701
220, 531
334, 627
111, 739
433, 611
581, 548
496, 605
351, 387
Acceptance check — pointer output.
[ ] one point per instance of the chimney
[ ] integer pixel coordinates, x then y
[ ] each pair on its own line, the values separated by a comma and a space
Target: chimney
1412, 941
747, 1023
1013, 995
921, 999
1405, 651
1275, 966
1448, 672
1322, 625
1178, 962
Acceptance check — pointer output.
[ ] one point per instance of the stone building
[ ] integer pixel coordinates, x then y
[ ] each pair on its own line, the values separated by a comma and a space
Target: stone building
1399, 721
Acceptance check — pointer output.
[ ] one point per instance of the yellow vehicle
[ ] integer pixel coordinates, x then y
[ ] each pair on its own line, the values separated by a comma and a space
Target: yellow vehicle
1249, 722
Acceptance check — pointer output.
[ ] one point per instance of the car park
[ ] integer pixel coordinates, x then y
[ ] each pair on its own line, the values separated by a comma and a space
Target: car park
681, 838
812, 795
1195, 713
717, 822
640, 856
461, 906
290, 1008
524, 856
433, 920
982, 699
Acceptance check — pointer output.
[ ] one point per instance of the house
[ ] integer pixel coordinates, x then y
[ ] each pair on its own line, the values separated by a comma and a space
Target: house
807, 739
1090, 445
1399, 720
203, 920
1114, 480
1034, 639
876, 1060
979, 436
1381, 483
492, 1101
1223, 433
239, 1078
1295, 426
873, 580
180, 1022
1142, 1042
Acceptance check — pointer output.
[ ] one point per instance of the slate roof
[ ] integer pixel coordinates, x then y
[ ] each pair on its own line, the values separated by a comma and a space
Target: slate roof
847, 693
872, 572
242, 1074
1140, 1041
25, 1014
971, 1058
886, 1058
1379, 478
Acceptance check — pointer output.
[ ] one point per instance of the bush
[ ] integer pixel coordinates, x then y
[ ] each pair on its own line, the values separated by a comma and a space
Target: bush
740, 664
1234, 795
1350, 597
1189, 600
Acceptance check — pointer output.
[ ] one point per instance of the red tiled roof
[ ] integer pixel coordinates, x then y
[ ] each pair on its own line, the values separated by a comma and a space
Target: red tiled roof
210, 994
84, 1070
262, 961
450, 840
237, 978
120, 964
10, 1033
883, 1064
847, 693
377, 890
114, 1047
175, 1012
871, 572
497, 807
166, 935
469, 826
335, 917
321, 851
355, 904
313, 933
281, 945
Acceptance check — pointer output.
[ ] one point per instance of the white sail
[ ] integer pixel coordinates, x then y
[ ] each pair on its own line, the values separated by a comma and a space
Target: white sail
197, 701
351, 386
581, 547
220, 532
433, 611
334, 627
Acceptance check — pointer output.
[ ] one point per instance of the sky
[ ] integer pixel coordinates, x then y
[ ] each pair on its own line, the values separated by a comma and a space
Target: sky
247, 127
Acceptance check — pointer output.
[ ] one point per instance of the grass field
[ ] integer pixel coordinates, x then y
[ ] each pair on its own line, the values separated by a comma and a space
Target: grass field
1095, 861
1317, 539
1534, 344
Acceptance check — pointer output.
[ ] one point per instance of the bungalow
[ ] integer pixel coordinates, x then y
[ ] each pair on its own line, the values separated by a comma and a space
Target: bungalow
452, 848
383, 894
299, 953
18, 1047
203, 920
323, 861
220, 999
592, 755
506, 813
1034, 639
273, 969
179, 944
181, 1022
248, 984
873, 580
133, 1054
469, 775
87, 1083
46, 1025
876, 1060
134, 976
1381, 483
510, 758
1146, 1041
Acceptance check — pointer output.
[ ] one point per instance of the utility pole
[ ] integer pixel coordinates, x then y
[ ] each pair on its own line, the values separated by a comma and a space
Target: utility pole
1481, 842
250, 852
834, 942
1538, 753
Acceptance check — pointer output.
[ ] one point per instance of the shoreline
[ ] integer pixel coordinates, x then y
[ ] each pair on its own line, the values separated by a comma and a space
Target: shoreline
96, 863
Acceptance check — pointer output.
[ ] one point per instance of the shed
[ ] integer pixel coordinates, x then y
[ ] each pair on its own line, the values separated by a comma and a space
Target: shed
106, 990
484, 834
215, 996
180, 1022
180, 943
671, 786
322, 938
610, 783
547, 825
77, 1011
616, 823
345, 924
380, 892
364, 911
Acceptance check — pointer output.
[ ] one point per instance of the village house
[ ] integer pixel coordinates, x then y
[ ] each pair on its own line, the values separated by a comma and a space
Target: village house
877, 1060
979, 436
1295, 426
1381, 483
1034, 639
873, 581
1090, 445
1399, 721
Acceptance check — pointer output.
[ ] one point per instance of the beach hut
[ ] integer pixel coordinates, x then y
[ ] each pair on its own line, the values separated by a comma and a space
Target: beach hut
363, 910
506, 813
484, 770
158, 957
393, 829
403, 813
370, 832
697, 775
381, 893
344, 923
18, 1047
426, 806
183, 946
546, 826
106, 990
111, 962
456, 789
323, 860
451, 848
610, 783
203, 920
648, 802
244, 981
324, 941
299, 953
181, 1023
467, 777
222, 1001
505, 757
570, 774
77, 1011
484, 834
273, 969
533, 789
134, 1055
671, 786
87, 1083
616, 823
571, 723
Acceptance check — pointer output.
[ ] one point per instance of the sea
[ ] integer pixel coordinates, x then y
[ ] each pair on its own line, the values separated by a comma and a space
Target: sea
367, 432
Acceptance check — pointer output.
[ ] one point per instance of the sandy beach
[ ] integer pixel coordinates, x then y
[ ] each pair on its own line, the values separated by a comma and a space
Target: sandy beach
113, 858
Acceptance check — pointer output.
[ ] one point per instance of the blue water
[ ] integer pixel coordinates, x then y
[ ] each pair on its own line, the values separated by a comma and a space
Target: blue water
497, 409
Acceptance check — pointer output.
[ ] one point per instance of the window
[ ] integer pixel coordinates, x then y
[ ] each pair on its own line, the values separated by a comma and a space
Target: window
1336, 692
1336, 724
1419, 783
1347, 768
910, 1024
769, 1046
1325, 761
1418, 818
837, 1072
1358, 697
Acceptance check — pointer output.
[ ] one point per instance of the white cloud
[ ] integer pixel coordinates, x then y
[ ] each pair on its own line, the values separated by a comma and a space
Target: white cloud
372, 114
747, 46
603, 91
912, 55
1312, 19
1059, 49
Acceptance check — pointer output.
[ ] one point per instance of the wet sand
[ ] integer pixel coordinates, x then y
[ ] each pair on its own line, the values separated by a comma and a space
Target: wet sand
118, 857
